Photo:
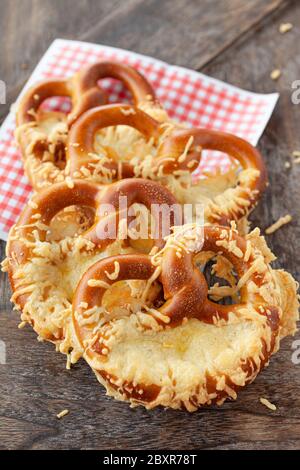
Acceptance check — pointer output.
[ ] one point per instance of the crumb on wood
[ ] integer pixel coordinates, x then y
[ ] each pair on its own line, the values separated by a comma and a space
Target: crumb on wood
62, 414
275, 74
285, 27
279, 223
268, 404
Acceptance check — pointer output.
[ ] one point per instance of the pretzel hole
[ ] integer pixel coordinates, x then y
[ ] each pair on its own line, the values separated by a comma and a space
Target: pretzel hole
70, 222
221, 278
116, 90
51, 121
214, 165
122, 143
62, 104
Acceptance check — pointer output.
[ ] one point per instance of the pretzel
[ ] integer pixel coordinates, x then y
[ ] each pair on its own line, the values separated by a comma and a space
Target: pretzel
42, 136
44, 272
81, 146
189, 351
178, 152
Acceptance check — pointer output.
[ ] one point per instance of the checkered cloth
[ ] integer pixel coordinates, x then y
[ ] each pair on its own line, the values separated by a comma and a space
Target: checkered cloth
188, 96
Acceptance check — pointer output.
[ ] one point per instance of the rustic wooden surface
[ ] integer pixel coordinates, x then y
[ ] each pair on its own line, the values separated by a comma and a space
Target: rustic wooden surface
233, 40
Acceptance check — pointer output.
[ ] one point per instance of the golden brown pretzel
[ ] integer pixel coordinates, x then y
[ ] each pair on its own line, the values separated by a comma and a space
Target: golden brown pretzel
167, 161
41, 134
249, 188
33, 224
186, 292
179, 152
83, 90
120, 350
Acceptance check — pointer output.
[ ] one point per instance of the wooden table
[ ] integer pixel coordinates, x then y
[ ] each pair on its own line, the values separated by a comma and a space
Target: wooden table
234, 40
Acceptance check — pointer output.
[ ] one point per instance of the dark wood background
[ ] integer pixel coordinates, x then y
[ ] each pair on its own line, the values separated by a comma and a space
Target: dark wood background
233, 40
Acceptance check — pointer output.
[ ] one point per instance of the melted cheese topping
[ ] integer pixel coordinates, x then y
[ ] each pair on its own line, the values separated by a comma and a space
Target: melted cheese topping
195, 363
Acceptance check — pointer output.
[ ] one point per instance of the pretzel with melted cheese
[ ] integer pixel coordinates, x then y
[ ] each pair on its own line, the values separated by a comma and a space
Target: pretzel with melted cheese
84, 162
189, 351
174, 153
42, 136
44, 271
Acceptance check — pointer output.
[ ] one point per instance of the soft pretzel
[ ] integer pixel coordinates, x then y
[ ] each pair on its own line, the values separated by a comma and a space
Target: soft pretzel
175, 152
238, 197
44, 271
42, 135
189, 351
83, 162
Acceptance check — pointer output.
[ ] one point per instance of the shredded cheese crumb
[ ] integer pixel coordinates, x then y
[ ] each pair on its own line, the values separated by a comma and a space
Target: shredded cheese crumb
280, 222
114, 275
69, 182
296, 153
126, 112
62, 414
285, 27
98, 283
268, 404
33, 204
83, 305
275, 74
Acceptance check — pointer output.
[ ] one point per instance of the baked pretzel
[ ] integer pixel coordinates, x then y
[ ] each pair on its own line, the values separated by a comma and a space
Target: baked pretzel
189, 351
82, 161
235, 202
176, 153
44, 272
42, 135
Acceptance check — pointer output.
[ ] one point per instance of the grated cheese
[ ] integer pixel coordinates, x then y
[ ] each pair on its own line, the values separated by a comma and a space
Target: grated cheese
280, 222
114, 275
268, 404
62, 414
285, 27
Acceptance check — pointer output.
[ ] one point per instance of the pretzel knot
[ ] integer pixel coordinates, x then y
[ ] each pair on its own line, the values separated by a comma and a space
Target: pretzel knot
177, 152
81, 146
120, 350
36, 263
44, 134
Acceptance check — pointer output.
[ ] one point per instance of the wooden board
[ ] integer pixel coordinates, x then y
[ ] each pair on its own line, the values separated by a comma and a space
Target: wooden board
233, 40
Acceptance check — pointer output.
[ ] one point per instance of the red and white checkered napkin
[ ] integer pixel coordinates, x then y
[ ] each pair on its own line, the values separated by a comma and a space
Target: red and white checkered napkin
188, 96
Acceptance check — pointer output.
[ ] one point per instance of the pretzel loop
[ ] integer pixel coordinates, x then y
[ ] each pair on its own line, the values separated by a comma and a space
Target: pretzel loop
249, 189
54, 199
82, 136
83, 90
86, 83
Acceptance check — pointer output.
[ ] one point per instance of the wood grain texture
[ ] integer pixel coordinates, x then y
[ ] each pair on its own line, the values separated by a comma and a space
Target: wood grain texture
232, 40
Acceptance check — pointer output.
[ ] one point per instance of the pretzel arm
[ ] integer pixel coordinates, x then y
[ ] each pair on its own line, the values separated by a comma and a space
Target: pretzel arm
37, 94
135, 190
188, 288
170, 155
82, 134
139, 87
241, 199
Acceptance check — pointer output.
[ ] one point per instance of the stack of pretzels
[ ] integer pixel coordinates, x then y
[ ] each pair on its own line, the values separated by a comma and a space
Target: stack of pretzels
179, 318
